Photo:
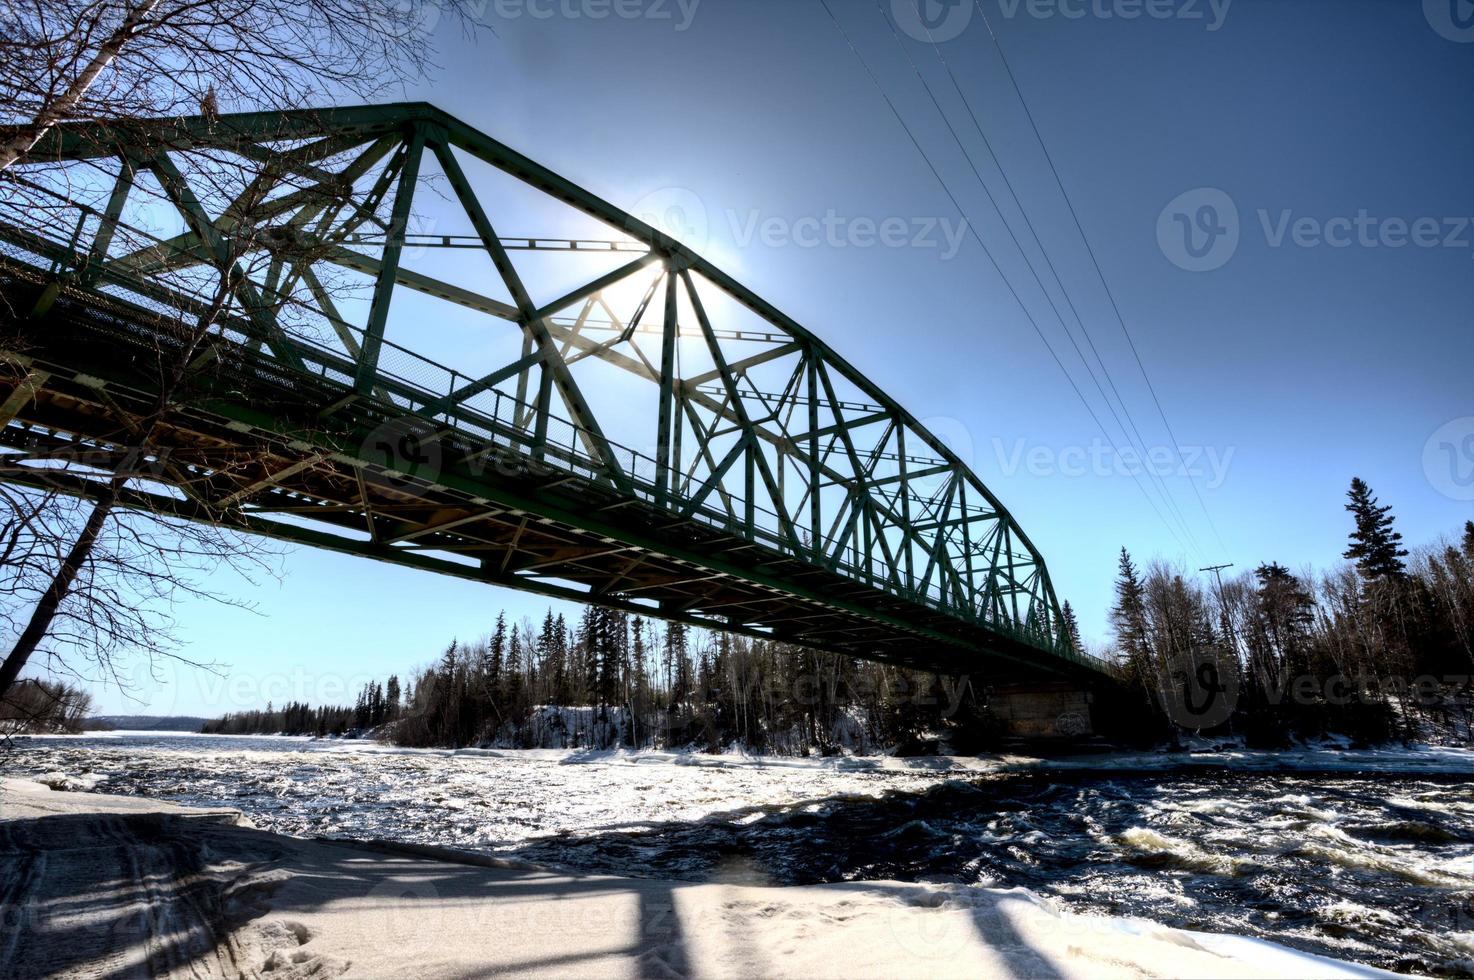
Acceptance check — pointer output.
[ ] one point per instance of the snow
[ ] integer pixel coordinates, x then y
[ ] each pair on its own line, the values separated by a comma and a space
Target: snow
179, 879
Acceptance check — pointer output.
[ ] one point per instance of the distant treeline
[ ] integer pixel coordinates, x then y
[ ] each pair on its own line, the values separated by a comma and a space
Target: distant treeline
43, 707
1380, 648
151, 723
290, 719
620, 680
1270, 655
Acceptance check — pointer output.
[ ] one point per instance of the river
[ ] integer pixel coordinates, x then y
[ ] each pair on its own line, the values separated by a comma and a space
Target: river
1365, 863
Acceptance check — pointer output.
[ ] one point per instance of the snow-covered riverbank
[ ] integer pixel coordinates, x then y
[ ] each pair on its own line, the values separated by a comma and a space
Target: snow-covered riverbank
127, 886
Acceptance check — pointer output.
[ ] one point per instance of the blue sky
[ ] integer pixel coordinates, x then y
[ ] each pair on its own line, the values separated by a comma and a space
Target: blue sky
1289, 367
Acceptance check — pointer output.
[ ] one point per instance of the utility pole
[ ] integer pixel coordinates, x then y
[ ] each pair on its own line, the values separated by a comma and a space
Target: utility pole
1217, 571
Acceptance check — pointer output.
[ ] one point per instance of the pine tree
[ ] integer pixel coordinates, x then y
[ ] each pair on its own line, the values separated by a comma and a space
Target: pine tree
391, 697
1128, 616
547, 652
492, 661
677, 663
447, 695
557, 642
585, 671
609, 633
1469, 539
376, 704
1071, 627
1375, 546
1278, 629
637, 683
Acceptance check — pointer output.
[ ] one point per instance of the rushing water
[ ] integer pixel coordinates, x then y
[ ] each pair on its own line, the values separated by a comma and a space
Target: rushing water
1372, 867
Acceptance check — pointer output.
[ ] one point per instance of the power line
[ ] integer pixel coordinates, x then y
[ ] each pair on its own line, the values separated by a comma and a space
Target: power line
1049, 262
1008, 69
988, 252
1139, 444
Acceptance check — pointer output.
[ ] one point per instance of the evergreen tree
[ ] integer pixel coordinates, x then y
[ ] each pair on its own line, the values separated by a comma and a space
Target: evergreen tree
1279, 628
447, 696
376, 704
1375, 546
1128, 616
1071, 626
609, 655
584, 678
678, 663
1469, 539
391, 697
637, 684
512, 679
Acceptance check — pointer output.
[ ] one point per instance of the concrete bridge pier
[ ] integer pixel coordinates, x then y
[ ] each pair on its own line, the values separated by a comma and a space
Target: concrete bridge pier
1043, 709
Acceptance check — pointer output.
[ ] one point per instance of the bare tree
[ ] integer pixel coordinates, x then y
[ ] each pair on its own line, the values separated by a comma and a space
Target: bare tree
100, 573
43, 706
67, 60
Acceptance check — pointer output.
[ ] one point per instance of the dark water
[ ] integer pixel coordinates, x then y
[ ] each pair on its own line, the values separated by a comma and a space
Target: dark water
1375, 869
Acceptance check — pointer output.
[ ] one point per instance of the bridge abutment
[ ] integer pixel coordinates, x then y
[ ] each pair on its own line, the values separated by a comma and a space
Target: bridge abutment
1044, 710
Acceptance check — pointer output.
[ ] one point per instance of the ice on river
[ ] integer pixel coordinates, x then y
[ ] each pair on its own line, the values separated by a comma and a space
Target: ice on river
106, 885
1362, 855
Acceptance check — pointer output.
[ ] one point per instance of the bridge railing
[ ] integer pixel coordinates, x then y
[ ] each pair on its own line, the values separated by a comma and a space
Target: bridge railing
419, 387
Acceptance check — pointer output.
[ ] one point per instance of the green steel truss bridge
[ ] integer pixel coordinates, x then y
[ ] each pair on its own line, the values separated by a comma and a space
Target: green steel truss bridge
624, 423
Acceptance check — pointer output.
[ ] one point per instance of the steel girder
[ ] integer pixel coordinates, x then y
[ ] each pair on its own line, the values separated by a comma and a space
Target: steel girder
762, 432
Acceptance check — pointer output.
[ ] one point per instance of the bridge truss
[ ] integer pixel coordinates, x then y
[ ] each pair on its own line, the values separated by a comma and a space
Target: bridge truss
626, 424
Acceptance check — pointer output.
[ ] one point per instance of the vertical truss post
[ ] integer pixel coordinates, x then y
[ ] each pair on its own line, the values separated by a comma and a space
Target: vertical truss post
373, 334
678, 470
816, 531
966, 542
1012, 575
663, 462
542, 412
750, 491
905, 494
522, 377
